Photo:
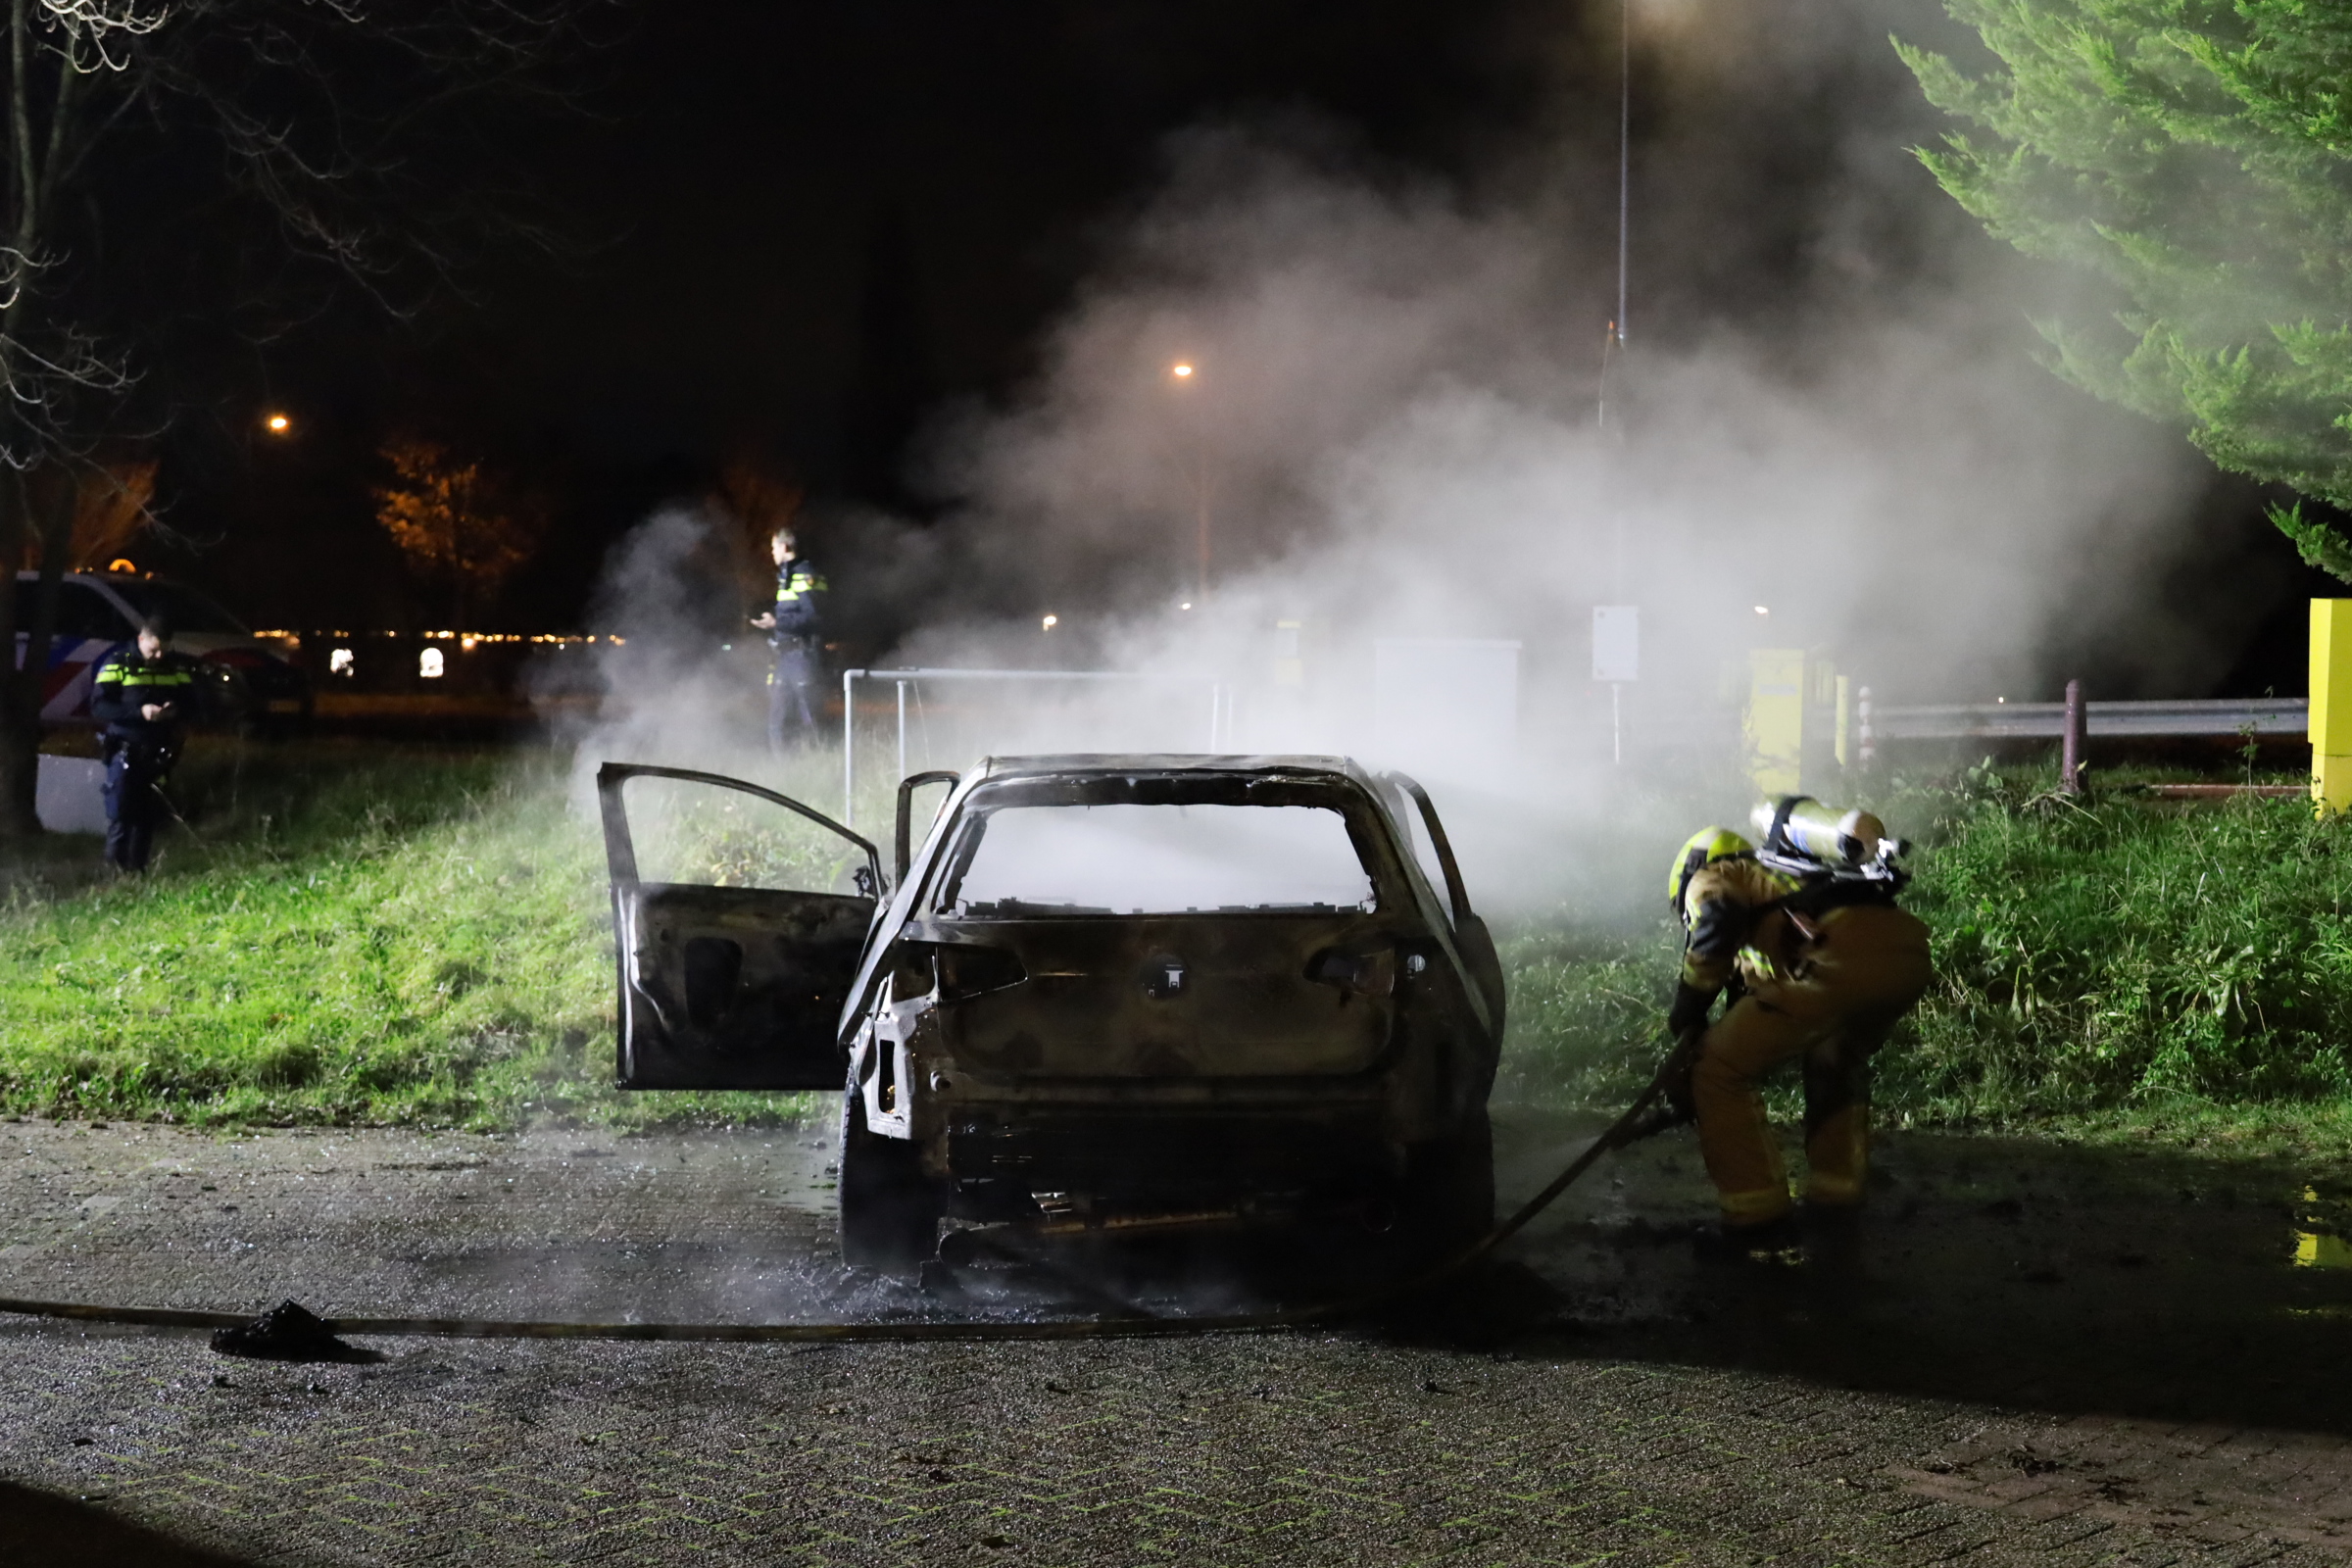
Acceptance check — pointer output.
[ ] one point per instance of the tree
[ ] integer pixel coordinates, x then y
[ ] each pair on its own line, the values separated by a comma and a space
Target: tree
757, 499
454, 522
2197, 154
97, 509
242, 151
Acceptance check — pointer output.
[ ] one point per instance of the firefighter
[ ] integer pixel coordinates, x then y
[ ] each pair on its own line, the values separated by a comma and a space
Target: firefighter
791, 625
142, 695
1822, 964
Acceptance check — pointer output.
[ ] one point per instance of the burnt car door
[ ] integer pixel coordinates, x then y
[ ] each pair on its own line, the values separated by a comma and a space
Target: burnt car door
739, 915
1471, 938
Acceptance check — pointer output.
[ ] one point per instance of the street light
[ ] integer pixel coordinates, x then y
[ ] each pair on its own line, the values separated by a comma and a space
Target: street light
1183, 371
278, 424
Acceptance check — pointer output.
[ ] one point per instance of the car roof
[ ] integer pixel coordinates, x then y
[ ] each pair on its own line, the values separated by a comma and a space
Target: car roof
1111, 764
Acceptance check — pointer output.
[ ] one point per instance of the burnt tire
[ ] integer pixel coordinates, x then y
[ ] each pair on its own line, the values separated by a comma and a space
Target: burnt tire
1448, 1200
890, 1210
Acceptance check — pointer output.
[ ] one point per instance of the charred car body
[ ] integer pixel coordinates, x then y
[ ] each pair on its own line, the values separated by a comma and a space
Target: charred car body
1105, 991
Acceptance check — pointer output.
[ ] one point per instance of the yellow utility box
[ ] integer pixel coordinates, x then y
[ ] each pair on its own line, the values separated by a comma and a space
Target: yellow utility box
1776, 719
2331, 722
1797, 727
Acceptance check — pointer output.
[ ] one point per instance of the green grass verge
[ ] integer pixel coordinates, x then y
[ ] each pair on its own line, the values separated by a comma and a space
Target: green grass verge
359, 933
2124, 969
346, 934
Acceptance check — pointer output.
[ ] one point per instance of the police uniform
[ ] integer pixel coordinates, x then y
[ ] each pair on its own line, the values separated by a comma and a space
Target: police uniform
138, 751
1826, 985
798, 650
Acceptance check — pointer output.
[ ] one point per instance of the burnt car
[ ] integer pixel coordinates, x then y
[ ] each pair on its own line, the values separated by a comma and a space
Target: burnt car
1106, 991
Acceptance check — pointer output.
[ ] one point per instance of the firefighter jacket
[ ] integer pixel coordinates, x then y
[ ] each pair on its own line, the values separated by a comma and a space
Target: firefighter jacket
1733, 912
798, 584
126, 681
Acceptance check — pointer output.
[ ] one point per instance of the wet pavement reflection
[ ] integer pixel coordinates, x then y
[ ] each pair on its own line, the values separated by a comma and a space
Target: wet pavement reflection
2020, 1346
2139, 1281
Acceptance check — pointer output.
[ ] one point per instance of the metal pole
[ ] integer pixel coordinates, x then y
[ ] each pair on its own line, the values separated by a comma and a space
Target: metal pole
2075, 750
848, 748
902, 729
1625, 153
1200, 500
1617, 721
1865, 742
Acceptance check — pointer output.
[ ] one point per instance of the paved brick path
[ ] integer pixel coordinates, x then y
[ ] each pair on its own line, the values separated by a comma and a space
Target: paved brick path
1615, 1405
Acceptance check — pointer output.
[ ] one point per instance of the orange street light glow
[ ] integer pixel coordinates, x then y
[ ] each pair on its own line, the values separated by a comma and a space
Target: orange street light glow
1052, 621
1182, 370
279, 425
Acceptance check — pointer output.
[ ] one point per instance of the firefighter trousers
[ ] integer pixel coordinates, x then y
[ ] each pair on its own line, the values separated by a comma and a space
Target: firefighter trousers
1833, 1010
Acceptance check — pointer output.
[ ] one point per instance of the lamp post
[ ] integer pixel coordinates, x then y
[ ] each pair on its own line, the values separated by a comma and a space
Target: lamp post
1618, 624
1183, 371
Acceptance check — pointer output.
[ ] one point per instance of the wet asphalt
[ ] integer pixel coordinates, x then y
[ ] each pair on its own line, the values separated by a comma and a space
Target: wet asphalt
2028, 1354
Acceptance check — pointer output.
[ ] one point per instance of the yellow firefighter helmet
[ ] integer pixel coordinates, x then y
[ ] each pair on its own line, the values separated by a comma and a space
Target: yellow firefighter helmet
1706, 845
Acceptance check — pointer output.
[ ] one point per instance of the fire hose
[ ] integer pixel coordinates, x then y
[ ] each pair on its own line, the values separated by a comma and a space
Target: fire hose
1632, 1125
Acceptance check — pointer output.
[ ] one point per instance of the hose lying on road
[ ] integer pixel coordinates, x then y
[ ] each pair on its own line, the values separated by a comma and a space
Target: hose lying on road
1619, 1132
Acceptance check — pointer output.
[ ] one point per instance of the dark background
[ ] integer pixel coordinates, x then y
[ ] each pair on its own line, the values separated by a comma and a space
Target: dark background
795, 232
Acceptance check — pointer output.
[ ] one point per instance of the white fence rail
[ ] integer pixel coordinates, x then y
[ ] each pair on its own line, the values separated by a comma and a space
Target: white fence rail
1216, 705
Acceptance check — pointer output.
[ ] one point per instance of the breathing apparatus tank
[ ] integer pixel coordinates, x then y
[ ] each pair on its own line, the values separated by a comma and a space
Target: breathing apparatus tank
1800, 828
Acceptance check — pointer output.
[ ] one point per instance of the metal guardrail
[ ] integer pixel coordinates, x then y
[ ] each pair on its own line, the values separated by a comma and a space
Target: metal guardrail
2228, 716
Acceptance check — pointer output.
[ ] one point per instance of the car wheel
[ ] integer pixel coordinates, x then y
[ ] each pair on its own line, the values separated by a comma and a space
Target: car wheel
227, 701
890, 1210
1449, 1192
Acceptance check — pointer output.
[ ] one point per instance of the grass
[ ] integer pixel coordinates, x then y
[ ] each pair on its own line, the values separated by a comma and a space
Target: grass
2119, 970
359, 933
346, 934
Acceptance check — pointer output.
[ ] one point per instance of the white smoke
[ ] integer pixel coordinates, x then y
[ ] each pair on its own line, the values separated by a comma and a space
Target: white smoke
1391, 428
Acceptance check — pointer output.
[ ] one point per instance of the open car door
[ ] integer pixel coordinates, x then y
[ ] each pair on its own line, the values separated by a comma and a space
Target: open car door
1471, 938
739, 915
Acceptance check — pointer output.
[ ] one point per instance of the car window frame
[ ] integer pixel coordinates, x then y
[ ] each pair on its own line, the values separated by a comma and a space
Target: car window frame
1356, 806
971, 830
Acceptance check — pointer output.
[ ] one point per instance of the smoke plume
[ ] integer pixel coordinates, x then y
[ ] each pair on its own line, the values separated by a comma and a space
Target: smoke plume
1825, 430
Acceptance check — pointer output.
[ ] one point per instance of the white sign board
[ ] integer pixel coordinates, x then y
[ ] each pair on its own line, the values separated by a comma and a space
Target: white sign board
1616, 642
67, 794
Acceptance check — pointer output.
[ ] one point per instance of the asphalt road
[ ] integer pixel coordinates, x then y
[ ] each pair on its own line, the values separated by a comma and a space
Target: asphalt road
2042, 1357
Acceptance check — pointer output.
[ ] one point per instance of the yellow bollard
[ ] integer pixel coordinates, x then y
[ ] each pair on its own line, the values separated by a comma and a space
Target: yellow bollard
1776, 719
2331, 723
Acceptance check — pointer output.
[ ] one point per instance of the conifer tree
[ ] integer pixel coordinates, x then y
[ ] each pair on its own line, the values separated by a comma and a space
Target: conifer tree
2197, 154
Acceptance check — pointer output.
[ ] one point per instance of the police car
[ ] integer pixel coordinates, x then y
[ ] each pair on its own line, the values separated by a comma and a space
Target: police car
97, 613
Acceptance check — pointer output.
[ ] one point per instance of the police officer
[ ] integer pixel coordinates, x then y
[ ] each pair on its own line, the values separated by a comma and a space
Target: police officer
791, 625
1827, 966
142, 694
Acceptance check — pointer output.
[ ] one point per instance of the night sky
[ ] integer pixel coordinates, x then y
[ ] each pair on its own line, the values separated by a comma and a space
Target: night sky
794, 233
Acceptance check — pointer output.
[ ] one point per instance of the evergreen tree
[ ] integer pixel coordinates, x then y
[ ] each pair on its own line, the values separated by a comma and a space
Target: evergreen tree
2198, 155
